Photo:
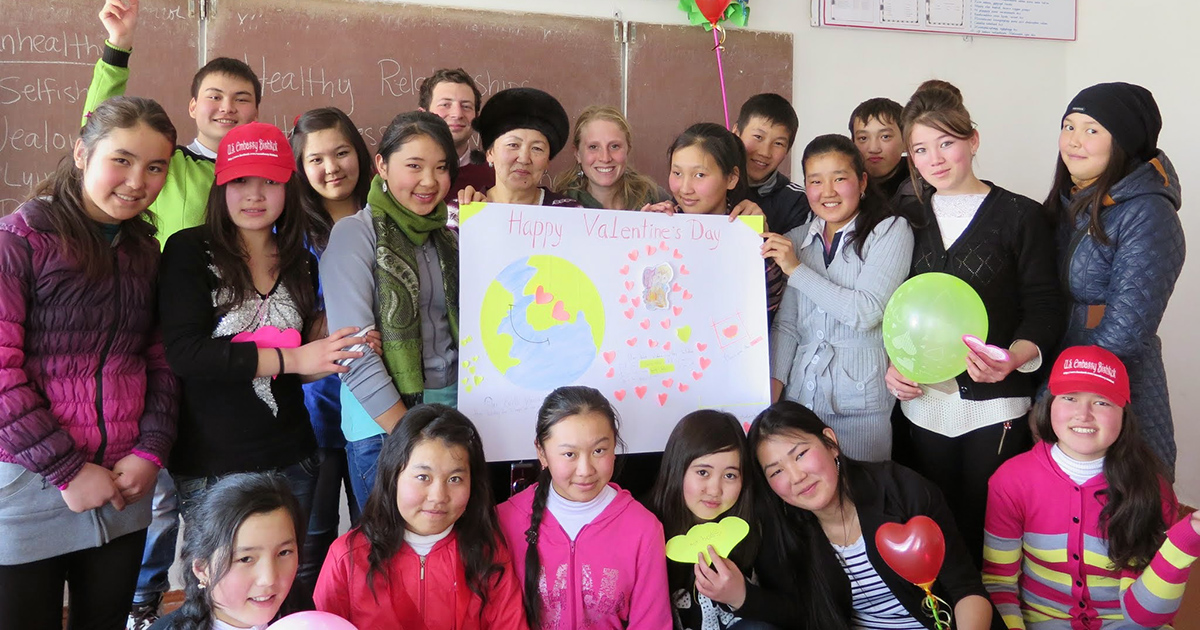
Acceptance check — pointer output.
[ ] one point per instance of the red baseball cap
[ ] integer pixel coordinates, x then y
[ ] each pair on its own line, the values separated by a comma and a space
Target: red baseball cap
1090, 369
255, 150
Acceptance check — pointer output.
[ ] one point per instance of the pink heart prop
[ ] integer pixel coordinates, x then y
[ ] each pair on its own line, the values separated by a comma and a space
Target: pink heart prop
271, 337
676, 288
663, 246
628, 284
623, 299
677, 255
628, 313
637, 301
667, 346
649, 249
651, 343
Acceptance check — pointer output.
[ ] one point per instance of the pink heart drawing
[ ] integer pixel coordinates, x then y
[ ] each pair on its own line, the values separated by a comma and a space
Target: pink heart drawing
705, 362
628, 284
666, 323
697, 375
675, 288
677, 310
746, 426
637, 301
541, 296
624, 269
633, 255
677, 255
645, 324
610, 372
683, 387
683, 270
667, 346
730, 332
652, 343
271, 337
687, 295
559, 312
663, 246
623, 299
649, 249
619, 394
628, 313
632, 341
640, 390
662, 400
609, 357
668, 382
702, 347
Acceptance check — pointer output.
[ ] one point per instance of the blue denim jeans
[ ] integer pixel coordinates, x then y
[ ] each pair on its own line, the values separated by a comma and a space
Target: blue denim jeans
361, 456
159, 553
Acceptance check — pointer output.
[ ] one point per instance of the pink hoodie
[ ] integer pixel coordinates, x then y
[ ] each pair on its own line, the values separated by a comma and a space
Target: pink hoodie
613, 575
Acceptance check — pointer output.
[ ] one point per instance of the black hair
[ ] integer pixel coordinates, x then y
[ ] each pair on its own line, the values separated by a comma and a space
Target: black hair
873, 207
409, 125
775, 109
560, 404
725, 148
211, 533
698, 434
1132, 518
80, 238
477, 529
885, 110
1093, 199
794, 531
230, 257
231, 67
446, 75
314, 120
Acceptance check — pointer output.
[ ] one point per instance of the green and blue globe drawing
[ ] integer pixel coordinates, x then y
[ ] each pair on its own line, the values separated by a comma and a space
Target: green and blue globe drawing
542, 322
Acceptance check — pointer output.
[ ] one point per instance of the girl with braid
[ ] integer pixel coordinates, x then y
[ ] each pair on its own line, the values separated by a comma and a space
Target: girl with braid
589, 555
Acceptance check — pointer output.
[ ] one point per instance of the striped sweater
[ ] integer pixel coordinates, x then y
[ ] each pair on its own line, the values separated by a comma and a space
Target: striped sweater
1046, 562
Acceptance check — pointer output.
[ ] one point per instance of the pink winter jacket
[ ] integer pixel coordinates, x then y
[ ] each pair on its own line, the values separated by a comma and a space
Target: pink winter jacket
613, 575
83, 377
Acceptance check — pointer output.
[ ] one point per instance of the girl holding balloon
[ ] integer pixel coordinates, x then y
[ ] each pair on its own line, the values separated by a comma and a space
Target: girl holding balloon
839, 533
962, 424
1077, 528
826, 341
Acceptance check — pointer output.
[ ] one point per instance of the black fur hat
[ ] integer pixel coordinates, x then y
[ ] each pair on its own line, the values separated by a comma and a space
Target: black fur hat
523, 108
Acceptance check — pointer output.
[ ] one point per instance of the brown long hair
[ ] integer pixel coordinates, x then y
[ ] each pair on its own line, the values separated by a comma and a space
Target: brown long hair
79, 235
633, 188
230, 256
1132, 518
937, 104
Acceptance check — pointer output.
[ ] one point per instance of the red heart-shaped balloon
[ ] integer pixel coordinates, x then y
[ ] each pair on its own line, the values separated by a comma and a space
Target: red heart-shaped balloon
914, 550
713, 10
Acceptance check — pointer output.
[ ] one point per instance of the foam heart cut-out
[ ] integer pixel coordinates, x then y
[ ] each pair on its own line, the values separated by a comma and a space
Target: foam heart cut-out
645, 324
628, 313
560, 313
668, 383
541, 296
684, 333
662, 400
666, 323
632, 341
619, 395
683, 387
697, 375
701, 346
624, 269
705, 362
609, 357
914, 550
687, 295
633, 255
722, 536
610, 372
640, 390
271, 337
683, 270
677, 310
623, 299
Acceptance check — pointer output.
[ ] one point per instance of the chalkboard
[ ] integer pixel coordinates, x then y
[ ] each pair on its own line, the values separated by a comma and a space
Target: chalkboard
370, 58
673, 82
47, 51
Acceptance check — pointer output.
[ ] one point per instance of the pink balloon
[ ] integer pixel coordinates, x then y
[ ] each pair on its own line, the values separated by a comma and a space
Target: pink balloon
312, 620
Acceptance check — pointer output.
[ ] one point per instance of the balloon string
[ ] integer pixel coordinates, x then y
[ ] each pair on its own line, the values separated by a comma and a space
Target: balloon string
718, 40
941, 615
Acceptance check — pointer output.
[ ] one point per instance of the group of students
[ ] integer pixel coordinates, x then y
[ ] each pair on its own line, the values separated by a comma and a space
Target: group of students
299, 332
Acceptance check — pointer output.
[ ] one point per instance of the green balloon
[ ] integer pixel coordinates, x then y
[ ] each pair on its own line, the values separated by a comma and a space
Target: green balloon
924, 324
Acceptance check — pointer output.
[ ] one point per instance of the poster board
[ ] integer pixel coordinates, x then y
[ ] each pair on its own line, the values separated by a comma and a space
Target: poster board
663, 314
1032, 19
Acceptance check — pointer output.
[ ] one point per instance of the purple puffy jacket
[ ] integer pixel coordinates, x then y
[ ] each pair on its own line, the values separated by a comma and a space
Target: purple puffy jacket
83, 376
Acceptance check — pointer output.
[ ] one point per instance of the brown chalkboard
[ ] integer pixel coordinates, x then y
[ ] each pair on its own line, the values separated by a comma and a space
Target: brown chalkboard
673, 82
47, 51
370, 58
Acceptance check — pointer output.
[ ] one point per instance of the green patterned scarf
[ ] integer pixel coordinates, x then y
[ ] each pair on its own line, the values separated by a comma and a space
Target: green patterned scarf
398, 233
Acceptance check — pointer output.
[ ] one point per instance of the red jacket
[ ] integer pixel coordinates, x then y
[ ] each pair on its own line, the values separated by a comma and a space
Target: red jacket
434, 593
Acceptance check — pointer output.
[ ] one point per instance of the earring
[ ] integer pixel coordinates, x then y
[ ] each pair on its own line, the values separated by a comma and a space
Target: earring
837, 462
863, 195
202, 586
579, 175
385, 186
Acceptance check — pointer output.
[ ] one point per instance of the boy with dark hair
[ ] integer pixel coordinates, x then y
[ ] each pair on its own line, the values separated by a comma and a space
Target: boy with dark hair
225, 94
767, 125
875, 127
452, 95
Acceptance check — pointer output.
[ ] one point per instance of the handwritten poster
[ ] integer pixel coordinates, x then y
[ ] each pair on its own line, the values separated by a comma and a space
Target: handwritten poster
662, 314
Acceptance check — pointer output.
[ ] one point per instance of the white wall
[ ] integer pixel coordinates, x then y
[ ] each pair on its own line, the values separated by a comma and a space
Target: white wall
1015, 89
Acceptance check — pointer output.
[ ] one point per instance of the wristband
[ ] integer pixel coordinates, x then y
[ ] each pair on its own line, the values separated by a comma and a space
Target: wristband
279, 353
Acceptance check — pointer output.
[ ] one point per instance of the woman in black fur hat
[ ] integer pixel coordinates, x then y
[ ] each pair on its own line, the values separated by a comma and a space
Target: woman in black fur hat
521, 130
